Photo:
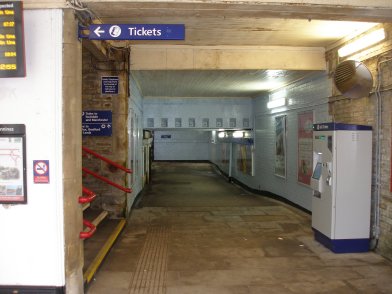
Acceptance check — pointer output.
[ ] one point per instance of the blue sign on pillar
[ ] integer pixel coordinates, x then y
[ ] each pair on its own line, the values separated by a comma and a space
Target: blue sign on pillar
109, 85
137, 32
97, 123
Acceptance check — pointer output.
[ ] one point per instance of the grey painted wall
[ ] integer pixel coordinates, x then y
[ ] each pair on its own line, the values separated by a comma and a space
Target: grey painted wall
181, 145
198, 109
311, 94
181, 142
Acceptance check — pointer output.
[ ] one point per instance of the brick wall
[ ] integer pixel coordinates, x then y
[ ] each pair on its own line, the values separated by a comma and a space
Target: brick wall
363, 111
114, 147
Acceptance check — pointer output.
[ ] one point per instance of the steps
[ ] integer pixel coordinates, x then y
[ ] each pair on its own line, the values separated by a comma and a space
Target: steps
97, 247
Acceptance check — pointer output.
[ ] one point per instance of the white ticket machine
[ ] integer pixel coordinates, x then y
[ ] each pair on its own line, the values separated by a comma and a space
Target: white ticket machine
341, 183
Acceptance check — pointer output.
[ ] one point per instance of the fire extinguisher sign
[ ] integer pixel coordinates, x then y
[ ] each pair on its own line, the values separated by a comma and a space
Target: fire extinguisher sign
41, 171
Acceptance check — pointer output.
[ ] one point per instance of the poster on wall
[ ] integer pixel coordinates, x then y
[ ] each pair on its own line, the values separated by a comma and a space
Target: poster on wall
225, 153
244, 159
305, 147
280, 146
13, 187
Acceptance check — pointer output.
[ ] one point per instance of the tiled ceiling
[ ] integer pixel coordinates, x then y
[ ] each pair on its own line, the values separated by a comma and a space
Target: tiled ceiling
209, 24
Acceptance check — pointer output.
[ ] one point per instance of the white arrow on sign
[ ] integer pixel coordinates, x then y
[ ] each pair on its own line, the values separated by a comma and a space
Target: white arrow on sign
98, 31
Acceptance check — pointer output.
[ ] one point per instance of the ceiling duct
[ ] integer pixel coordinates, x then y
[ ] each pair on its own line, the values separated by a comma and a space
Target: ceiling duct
353, 79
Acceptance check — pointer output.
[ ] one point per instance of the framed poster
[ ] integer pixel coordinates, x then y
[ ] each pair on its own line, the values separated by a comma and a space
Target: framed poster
305, 147
225, 153
280, 146
245, 159
13, 187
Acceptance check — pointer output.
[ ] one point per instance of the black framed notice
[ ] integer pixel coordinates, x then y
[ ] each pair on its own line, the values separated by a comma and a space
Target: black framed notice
12, 57
13, 185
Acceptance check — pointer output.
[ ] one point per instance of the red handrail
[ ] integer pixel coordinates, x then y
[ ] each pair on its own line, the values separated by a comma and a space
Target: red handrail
90, 233
127, 170
106, 180
90, 196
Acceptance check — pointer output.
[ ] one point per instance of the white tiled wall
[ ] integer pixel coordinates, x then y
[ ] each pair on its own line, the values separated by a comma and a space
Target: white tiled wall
135, 139
197, 109
187, 145
311, 94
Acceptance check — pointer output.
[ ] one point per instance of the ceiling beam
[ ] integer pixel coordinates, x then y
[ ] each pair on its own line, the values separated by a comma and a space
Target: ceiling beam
96, 48
350, 10
354, 10
362, 3
34, 4
145, 57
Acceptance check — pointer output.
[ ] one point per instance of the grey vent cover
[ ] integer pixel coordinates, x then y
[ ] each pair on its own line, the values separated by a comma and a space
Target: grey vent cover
353, 79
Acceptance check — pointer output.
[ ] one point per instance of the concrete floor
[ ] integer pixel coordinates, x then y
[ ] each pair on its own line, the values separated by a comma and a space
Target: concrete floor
195, 233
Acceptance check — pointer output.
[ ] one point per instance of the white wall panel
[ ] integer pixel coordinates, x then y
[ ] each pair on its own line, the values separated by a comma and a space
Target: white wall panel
32, 244
135, 139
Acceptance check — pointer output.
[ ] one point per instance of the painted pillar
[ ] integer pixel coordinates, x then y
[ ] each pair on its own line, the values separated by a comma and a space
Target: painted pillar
39, 247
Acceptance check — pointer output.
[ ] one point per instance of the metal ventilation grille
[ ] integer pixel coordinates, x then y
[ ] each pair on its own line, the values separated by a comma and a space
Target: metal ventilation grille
344, 73
353, 79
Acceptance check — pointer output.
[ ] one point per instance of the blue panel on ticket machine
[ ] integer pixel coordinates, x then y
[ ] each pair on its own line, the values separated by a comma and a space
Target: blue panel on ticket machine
341, 183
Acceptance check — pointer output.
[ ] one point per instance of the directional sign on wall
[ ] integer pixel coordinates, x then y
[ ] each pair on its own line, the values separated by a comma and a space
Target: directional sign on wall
97, 123
137, 32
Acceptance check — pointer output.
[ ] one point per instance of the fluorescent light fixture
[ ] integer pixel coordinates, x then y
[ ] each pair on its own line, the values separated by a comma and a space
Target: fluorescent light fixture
362, 43
278, 94
221, 134
265, 85
273, 73
238, 134
276, 103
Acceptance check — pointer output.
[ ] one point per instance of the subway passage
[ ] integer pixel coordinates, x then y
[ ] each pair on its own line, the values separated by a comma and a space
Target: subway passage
194, 232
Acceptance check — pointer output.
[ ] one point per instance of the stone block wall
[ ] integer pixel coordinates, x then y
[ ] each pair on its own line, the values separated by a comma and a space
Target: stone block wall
72, 174
113, 147
364, 111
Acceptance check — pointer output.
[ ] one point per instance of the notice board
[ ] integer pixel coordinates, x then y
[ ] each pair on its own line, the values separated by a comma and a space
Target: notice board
13, 187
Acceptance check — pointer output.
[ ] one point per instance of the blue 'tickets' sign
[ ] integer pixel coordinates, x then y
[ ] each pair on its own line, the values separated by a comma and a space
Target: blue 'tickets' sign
137, 32
97, 123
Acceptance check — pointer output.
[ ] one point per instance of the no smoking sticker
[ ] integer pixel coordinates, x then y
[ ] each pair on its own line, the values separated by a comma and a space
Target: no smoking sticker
41, 171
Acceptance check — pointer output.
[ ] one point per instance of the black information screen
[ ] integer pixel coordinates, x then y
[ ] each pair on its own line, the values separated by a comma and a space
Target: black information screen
12, 61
